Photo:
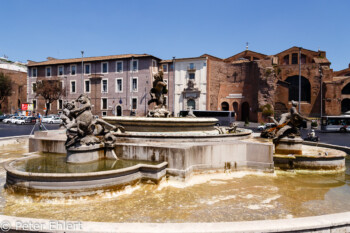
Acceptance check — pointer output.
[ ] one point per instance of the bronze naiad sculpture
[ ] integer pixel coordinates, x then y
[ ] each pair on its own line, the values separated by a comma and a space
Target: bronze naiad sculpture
157, 93
83, 128
288, 126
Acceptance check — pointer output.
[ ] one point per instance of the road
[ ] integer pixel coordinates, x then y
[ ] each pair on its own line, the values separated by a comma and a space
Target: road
342, 139
7, 130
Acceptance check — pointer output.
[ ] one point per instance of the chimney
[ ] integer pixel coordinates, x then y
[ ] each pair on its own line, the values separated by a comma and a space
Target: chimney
50, 58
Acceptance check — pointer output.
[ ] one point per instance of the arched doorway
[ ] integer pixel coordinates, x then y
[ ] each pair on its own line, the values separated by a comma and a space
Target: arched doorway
345, 105
294, 88
191, 103
224, 106
245, 111
119, 110
235, 109
346, 90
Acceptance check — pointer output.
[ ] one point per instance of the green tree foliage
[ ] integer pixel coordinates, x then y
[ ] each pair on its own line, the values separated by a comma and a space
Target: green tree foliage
51, 90
5, 87
267, 110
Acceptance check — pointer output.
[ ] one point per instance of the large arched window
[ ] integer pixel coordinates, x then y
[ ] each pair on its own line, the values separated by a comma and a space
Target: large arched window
294, 88
191, 103
345, 105
224, 106
346, 90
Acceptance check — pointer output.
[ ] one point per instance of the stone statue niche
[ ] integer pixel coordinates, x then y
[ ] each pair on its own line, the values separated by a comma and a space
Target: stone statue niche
88, 138
157, 93
287, 131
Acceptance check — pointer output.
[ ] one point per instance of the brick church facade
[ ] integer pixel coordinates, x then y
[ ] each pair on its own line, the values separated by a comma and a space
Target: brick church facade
248, 81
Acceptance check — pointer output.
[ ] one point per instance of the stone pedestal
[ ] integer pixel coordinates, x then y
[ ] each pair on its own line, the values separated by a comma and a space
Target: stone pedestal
85, 154
289, 146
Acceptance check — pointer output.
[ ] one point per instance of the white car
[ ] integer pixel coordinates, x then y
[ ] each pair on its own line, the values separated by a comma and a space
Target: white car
55, 120
47, 119
20, 121
11, 120
266, 126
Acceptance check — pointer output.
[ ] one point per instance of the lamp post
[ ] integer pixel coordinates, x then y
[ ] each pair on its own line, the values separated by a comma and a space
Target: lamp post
174, 86
82, 72
299, 79
321, 87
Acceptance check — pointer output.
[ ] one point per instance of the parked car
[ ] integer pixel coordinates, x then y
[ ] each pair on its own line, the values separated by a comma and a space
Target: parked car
55, 120
19, 120
48, 119
26, 120
266, 126
3, 117
11, 119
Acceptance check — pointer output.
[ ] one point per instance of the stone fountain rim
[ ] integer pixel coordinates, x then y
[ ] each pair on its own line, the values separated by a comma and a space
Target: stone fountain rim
302, 224
166, 119
8, 166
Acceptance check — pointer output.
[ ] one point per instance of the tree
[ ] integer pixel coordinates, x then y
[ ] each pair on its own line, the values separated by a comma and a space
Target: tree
51, 90
5, 87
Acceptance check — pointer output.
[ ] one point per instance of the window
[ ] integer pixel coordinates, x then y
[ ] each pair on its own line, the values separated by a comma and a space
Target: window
73, 70
303, 59
33, 88
165, 68
119, 110
62, 84
35, 73
87, 69
134, 65
294, 58
134, 103
119, 67
104, 103
87, 86
171, 66
59, 104
119, 85
60, 71
48, 71
104, 86
191, 75
286, 60
34, 104
205, 64
294, 88
72, 87
104, 113
191, 66
104, 67
134, 84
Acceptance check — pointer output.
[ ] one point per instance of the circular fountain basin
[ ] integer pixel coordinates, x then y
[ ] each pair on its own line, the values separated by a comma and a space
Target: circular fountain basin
38, 173
171, 124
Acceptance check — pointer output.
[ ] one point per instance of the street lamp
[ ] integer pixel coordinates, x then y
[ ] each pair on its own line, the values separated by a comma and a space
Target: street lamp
82, 72
174, 85
321, 92
299, 78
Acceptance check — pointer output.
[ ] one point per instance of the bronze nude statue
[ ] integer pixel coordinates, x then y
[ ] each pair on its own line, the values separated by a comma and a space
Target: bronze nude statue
287, 126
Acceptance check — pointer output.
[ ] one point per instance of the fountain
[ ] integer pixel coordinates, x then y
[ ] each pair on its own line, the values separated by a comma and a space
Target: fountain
289, 152
106, 171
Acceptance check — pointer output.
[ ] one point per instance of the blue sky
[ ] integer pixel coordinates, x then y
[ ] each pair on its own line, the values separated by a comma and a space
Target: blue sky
34, 30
